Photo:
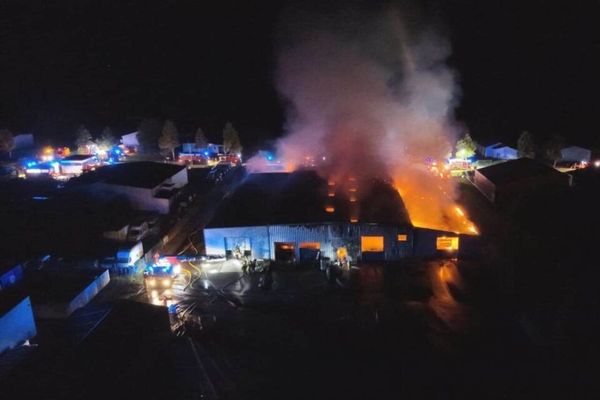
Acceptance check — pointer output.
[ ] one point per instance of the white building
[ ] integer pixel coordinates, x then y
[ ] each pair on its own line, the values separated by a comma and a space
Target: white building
575, 154
23, 141
130, 139
77, 163
501, 151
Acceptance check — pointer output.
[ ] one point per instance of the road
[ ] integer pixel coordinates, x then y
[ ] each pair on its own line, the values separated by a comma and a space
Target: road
190, 224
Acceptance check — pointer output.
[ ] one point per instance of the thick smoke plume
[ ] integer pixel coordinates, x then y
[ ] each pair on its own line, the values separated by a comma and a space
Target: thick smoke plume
369, 100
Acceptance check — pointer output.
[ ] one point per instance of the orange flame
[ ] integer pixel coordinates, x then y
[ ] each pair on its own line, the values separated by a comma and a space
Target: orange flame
429, 203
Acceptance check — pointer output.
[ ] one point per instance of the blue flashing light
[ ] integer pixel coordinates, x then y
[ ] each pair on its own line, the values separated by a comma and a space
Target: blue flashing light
40, 198
270, 157
206, 153
31, 164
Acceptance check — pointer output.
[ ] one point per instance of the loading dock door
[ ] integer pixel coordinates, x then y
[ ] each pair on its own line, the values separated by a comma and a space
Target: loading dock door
372, 248
309, 251
284, 251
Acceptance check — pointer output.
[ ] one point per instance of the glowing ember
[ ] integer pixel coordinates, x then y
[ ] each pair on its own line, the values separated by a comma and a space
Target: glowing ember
330, 209
429, 203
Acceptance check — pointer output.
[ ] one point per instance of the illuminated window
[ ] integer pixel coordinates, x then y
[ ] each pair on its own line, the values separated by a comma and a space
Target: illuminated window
310, 245
354, 220
447, 243
371, 243
329, 209
402, 238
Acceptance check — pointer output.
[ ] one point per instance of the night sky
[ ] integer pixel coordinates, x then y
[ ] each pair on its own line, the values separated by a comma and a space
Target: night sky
64, 63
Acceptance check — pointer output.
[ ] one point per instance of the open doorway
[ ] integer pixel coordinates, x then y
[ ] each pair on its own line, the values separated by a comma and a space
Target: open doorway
309, 252
285, 251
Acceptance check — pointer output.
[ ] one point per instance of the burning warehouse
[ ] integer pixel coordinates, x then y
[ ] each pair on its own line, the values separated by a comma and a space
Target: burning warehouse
297, 216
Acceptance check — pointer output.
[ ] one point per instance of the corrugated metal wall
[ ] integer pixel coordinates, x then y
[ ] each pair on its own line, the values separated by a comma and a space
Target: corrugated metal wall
17, 325
331, 236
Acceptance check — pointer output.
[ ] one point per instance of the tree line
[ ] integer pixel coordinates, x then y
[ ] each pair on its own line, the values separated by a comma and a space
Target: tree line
526, 147
153, 136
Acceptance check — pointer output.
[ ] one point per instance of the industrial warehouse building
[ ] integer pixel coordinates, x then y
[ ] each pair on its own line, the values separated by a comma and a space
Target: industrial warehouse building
148, 186
300, 216
505, 183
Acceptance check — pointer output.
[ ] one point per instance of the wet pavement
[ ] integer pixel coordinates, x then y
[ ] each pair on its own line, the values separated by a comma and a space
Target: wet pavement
415, 329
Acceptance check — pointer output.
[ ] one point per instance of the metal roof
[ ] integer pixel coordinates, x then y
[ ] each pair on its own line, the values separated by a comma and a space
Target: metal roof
303, 197
142, 174
519, 169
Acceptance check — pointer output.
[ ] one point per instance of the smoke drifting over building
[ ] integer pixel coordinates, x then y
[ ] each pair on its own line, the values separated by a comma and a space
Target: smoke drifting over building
369, 98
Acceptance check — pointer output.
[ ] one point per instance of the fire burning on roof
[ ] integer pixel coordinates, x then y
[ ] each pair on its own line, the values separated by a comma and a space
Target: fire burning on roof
374, 104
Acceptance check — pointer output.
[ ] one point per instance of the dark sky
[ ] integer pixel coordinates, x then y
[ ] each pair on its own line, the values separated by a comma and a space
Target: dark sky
64, 63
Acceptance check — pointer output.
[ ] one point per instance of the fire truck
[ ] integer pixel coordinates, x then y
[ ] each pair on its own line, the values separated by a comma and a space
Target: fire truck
159, 278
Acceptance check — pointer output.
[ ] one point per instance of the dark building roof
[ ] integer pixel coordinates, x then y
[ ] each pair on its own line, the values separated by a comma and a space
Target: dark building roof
9, 298
142, 174
519, 169
302, 197
58, 285
130, 351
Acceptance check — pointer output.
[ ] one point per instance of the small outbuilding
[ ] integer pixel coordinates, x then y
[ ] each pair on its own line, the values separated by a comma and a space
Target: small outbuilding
500, 151
575, 154
130, 140
76, 164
